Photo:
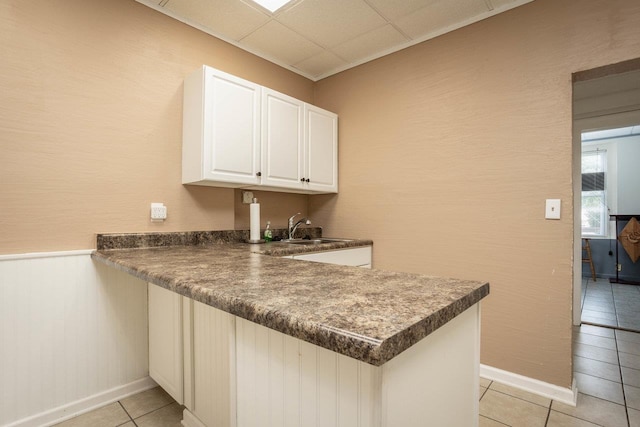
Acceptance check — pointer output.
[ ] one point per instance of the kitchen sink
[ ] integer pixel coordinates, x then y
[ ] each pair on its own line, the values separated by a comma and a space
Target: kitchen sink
313, 241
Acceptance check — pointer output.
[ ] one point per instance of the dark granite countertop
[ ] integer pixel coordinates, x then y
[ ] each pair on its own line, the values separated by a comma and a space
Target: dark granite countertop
370, 315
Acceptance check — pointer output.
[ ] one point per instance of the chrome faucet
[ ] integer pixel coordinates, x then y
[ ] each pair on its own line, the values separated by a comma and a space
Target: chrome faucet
293, 227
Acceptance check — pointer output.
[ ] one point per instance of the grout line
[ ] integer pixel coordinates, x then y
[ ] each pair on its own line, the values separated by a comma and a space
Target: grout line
615, 311
598, 360
128, 414
152, 411
624, 395
602, 378
520, 398
485, 391
499, 422
548, 414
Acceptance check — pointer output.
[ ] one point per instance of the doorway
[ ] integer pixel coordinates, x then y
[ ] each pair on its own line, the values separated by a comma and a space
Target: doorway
610, 198
606, 152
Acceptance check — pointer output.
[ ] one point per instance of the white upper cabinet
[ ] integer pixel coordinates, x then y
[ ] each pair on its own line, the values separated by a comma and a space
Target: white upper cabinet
242, 135
221, 129
321, 149
282, 140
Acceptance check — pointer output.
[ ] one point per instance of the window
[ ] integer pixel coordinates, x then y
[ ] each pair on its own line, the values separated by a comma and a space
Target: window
594, 202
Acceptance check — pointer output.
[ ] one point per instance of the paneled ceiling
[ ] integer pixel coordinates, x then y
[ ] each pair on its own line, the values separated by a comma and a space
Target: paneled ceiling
318, 38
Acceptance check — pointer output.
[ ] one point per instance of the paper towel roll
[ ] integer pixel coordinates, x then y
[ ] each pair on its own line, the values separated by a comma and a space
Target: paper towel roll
254, 213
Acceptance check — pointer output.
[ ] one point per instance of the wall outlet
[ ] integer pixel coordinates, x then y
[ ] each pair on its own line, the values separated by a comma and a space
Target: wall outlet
247, 197
158, 212
619, 267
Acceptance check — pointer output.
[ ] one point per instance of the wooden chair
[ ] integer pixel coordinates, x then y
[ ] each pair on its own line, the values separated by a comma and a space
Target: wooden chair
586, 257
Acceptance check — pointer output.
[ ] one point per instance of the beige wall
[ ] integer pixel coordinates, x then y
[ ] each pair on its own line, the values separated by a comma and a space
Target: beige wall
449, 149
91, 121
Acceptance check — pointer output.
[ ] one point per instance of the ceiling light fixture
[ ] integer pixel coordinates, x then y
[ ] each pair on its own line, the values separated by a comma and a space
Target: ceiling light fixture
272, 5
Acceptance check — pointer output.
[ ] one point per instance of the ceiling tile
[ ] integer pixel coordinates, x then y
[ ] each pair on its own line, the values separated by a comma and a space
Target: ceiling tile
320, 64
393, 9
370, 44
278, 41
441, 15
331, 22
231, 19
317, 38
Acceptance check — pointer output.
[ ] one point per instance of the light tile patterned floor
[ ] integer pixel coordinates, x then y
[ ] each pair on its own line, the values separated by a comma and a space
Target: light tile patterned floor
607, 371
151, 408
611, 304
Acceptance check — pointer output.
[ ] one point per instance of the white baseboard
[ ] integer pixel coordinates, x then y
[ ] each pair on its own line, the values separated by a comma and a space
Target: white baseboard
190, 420
73, 409
551, 391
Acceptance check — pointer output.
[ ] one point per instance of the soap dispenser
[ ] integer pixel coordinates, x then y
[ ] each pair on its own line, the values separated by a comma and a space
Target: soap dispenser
268, 236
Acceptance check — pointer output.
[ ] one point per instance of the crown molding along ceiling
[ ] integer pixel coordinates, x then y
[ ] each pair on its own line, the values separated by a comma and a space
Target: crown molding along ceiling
319, 38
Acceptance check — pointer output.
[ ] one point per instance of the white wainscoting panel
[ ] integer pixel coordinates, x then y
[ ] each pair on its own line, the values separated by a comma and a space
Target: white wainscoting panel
285, 382
295, 383
213, 361
70, 329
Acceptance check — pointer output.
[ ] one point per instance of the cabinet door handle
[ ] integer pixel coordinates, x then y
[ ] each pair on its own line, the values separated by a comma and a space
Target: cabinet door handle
259, 174
308, 180
301, 179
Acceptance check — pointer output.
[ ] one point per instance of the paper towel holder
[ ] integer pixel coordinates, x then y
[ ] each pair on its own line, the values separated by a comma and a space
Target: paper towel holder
254, 230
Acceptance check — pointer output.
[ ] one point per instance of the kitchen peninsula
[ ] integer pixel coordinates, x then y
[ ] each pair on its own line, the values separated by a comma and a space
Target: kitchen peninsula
264, 340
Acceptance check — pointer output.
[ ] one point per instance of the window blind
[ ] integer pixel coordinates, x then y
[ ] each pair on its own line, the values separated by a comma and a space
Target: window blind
593, 181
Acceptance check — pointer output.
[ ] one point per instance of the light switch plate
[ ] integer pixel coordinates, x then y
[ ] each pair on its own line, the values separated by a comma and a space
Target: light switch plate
552, 210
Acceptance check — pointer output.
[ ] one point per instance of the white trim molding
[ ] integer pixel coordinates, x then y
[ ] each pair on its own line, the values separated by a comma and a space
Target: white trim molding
190, 420
35, 255
73, 409
541, 388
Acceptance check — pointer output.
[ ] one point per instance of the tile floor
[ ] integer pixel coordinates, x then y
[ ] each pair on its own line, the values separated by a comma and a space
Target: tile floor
151, 408
607, 371
611, 304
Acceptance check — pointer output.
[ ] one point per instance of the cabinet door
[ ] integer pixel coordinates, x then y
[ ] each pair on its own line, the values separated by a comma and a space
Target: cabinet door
282, 140
357, 257
231, 146
321, 146
165, 340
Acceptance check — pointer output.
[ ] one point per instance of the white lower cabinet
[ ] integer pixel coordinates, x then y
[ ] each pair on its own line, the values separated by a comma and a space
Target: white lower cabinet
165, 340
357, 257
191, 356
251, 376
237, 373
